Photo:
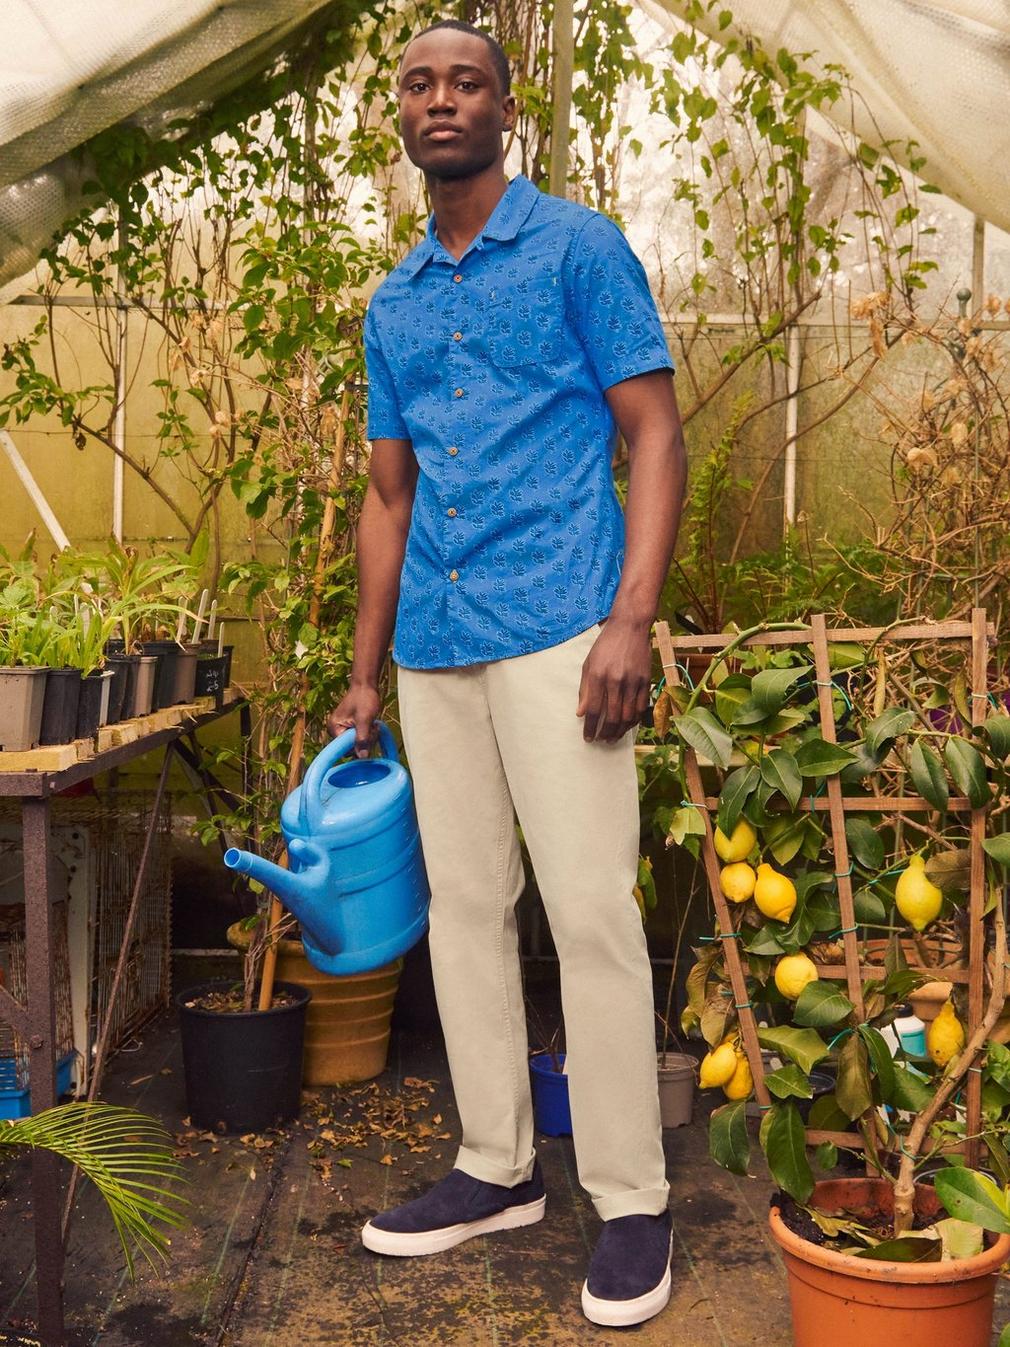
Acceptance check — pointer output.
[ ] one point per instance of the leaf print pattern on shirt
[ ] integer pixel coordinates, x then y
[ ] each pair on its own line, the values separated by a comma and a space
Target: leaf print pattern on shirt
497, 379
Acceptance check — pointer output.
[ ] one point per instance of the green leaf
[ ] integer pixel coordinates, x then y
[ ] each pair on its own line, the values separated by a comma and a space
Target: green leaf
826, 1116
779, 770
805, 1047
998, 848
821, 1004
905, 1249
784, 834
826, 1155
961, 1239
974, 1197
763, 942
700, 729
730, 696
789, 1081
911, 1089
889, 725
927, 775
881, 1061
786, 1152
769, 688
864, 763
685, 822
736, 790
727, 1137
997, 1066
967, 770
853, 1090
869, 907
819, 758
1004, 1337
997, 730
865, 843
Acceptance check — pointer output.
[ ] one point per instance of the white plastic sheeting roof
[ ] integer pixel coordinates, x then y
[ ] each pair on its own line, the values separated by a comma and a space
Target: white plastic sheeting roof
933, 71
72, 68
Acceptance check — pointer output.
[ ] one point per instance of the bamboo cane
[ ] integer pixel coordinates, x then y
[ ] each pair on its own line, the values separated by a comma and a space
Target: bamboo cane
298, 737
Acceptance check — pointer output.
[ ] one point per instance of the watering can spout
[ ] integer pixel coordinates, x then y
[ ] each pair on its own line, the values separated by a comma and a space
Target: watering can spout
295, 888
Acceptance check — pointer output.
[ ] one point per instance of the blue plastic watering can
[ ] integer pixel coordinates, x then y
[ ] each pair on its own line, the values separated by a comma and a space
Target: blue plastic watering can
356, 881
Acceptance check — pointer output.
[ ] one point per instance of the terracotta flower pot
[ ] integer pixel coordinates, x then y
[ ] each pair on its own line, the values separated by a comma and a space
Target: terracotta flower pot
927, 999
847, 1301
347, 1026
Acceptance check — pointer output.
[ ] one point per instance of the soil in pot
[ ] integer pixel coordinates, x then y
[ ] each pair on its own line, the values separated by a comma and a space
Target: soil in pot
59, 706
22, 693
243, 1068
848, 1301
552, 1114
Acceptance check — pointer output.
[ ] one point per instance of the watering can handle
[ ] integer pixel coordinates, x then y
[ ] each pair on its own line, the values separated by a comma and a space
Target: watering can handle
328, 757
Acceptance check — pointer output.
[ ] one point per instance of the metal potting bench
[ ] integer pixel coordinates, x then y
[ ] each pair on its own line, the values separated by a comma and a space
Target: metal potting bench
36, 1021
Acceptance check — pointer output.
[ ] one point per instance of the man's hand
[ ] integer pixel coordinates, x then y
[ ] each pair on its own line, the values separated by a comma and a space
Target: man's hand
360, 707
614, 692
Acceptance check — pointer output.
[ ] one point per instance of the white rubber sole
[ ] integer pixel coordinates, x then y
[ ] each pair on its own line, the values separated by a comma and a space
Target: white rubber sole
421, 1242
622, 1313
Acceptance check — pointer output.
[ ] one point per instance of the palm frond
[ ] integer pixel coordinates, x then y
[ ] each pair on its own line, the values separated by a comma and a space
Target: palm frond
125, 1154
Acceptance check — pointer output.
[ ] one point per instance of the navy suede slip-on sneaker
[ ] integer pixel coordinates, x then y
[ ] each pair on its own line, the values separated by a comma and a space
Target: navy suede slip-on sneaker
457, 1208
629, 1273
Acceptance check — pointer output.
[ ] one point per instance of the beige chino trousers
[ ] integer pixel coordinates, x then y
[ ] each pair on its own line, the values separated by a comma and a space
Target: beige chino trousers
487, 742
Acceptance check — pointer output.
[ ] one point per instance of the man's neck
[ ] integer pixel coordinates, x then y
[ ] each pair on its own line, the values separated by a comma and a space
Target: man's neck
463, 206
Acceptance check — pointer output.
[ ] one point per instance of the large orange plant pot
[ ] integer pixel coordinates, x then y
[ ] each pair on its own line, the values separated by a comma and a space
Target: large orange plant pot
845, 1301
347, 1024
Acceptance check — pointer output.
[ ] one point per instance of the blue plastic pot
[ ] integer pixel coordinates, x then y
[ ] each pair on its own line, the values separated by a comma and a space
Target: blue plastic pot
552, 1113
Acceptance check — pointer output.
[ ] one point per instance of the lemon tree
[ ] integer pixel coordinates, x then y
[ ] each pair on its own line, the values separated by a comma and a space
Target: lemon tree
903, 728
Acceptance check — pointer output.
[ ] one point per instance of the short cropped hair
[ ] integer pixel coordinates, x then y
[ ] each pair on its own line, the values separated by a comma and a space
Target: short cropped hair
499, 61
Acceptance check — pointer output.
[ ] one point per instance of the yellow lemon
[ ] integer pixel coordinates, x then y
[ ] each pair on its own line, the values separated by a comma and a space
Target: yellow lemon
774, 894
717, 1066
918, 900
741, 1082
792, 973
738, 846
737, 881
945, 1035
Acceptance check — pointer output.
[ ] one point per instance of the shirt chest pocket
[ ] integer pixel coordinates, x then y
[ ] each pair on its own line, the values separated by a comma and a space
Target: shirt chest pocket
524, 322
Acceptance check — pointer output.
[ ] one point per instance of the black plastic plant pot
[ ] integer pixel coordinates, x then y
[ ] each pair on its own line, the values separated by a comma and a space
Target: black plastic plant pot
164, 677
89, 706
210, 648
210, 675
123, 685
115, 646
59, 706
243, 1070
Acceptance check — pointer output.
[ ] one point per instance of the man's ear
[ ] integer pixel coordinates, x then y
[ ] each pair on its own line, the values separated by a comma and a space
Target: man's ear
508, 108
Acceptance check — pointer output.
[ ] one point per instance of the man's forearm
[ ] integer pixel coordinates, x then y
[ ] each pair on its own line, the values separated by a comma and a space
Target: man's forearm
382, 540
657, 473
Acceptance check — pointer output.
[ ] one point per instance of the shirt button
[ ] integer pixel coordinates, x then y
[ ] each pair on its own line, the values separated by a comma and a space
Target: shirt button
454, 575
457, 336
452, 450
458, 393
451, 512
457, 278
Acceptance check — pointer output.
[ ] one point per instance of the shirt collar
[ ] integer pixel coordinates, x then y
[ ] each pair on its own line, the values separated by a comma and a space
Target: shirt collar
504, 223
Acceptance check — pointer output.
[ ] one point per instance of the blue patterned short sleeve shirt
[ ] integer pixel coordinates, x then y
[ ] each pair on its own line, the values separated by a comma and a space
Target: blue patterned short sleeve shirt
494, 367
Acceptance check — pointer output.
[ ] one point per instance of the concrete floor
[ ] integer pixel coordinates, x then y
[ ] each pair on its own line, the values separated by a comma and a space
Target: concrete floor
272, 1257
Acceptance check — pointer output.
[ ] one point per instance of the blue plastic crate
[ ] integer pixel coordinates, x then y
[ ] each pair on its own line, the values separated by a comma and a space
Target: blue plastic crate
15, 1102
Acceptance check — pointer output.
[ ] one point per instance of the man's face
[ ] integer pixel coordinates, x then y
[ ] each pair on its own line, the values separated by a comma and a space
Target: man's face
452, 112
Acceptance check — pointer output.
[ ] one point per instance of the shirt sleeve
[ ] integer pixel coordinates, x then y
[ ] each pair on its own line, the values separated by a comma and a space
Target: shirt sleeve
384, 419
611, 305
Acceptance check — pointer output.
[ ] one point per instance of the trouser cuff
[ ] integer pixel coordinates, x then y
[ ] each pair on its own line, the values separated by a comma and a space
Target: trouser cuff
489, 1171
640, 1201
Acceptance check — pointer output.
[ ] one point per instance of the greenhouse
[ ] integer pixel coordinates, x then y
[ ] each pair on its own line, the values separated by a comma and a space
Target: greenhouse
504, 688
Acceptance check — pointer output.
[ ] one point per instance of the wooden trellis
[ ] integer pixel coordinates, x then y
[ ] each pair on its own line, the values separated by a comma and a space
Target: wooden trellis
816, 635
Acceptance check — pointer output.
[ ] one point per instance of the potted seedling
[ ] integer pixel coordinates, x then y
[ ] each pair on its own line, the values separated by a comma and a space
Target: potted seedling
22, 676
873, 1258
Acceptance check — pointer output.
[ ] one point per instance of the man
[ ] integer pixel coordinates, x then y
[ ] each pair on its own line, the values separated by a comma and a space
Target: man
503, 353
